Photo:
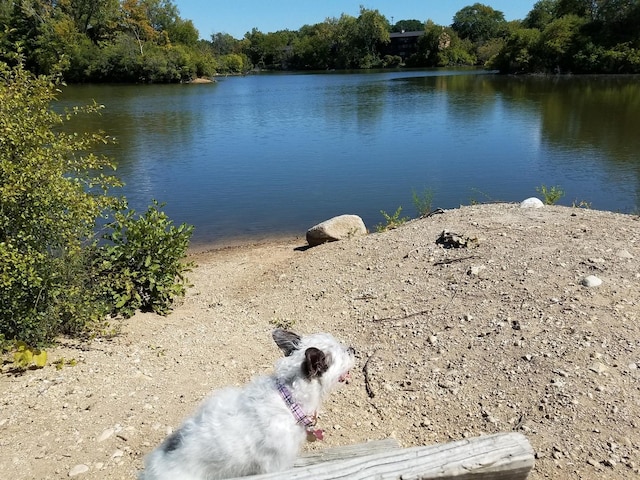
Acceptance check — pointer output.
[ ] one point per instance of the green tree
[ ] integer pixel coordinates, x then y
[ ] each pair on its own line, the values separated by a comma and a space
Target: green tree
559, 40
270, 50
224, 44
234, 63
372, 31
407, 26
183, 32
581, 36
149, 20
97, 19
519, 54
478, 23
441, 47
313, 47
345, 35
579, 8
619, 11
542, 13
6, 7
205, 61
162, 14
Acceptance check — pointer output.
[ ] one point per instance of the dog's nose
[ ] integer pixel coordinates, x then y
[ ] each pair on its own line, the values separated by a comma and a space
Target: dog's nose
351, 350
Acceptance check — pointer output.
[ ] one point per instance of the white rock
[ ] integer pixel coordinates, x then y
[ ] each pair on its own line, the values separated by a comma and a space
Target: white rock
532, 202
106, 434
625, 254
591, 281
78, 470
117, 454
598, 368
476, 270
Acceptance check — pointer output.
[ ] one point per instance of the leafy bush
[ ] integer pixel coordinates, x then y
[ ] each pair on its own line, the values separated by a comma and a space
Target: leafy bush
52, 190
141, 267
234, 63
391, 61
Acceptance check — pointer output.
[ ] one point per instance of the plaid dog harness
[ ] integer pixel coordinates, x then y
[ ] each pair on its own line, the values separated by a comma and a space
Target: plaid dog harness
301, 417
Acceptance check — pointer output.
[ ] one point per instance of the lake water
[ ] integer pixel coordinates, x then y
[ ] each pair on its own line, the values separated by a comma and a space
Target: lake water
272, 154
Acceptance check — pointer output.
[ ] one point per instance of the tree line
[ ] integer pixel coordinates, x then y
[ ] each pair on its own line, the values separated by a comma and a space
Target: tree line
148, 41
104, 40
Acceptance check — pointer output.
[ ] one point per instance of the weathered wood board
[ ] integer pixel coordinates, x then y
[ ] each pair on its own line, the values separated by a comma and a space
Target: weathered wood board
502, 456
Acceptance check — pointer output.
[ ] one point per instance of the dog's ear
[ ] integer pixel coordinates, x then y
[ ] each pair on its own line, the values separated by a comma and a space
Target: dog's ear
315, 363
287, 341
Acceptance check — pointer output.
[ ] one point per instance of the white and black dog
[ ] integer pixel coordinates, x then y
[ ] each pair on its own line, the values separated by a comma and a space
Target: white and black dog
261, 427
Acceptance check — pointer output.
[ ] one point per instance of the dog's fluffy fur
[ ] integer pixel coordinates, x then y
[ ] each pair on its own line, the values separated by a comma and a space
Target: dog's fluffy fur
237, 432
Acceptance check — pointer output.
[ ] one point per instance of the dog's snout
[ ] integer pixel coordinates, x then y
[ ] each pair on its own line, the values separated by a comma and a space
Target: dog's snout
351, 351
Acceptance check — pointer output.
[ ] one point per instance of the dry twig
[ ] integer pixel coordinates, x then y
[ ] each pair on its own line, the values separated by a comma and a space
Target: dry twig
365, 371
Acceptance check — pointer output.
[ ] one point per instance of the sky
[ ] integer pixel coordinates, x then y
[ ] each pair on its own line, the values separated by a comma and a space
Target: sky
237, 17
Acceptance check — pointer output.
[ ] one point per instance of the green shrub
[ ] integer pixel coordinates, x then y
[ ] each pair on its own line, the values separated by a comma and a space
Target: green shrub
392, 221
550, 196
141, 265
423, 202
52, 189
54, 277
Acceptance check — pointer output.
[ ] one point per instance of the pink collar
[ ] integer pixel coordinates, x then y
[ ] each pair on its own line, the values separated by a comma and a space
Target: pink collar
298, 413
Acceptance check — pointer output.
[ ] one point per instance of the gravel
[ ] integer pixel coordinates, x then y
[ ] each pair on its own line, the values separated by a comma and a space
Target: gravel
497, 335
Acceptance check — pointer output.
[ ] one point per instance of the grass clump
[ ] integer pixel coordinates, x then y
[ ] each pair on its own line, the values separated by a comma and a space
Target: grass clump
423, 201
551, 195
392, 221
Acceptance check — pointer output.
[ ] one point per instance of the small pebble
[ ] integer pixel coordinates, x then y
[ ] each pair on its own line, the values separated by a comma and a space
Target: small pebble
591, 281
117, 454
598, 367
476, 270
78, 470
106, 434
592, 462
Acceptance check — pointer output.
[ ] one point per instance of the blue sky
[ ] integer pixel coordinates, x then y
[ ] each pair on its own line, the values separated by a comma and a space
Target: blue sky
237, 17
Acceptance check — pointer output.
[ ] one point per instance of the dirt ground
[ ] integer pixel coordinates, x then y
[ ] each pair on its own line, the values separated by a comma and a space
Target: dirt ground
500, 335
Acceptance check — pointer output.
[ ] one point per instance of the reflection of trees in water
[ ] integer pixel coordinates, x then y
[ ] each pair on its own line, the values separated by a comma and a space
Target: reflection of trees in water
136, 116
593, 113
598, 113
578, 114
362, 104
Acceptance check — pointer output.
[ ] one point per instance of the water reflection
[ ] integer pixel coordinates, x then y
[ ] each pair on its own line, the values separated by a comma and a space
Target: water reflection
277, 153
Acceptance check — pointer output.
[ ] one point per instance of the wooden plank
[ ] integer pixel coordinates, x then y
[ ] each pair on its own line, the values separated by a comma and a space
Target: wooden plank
503, 456
348, 451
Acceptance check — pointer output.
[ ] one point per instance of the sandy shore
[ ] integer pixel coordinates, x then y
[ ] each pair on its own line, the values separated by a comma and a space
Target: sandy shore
499, 336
